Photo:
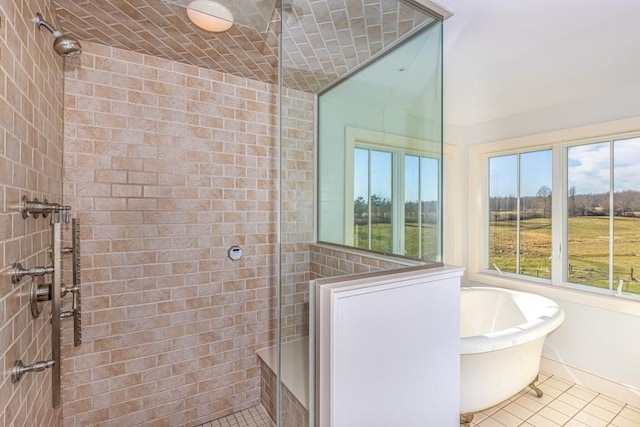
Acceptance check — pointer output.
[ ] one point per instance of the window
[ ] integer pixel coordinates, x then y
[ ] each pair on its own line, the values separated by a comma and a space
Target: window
372, 213
395, 193
596, 214
603, 214
421, 208
520, 213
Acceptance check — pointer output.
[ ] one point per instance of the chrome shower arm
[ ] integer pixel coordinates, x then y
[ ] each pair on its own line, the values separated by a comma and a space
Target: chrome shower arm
64, 46
40, 22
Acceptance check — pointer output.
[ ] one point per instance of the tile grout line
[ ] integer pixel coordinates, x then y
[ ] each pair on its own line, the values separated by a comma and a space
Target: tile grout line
572, 417
526, 391
618, 414
544, 405
581, 409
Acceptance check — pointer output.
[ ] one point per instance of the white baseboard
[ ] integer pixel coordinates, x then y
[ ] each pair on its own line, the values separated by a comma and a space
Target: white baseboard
591, 381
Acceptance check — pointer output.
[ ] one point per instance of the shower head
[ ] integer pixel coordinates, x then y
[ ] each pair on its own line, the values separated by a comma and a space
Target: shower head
64, 45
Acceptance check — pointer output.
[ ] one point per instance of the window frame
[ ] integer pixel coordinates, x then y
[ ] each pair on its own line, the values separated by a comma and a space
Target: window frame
398, 146
478, 244
518, 157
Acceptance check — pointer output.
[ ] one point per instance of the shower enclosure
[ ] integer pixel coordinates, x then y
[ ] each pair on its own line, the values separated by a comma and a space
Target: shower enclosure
360, 161
162, 139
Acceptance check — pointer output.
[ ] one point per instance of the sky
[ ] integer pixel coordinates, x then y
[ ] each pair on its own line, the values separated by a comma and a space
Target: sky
381, 166
588, 169
589, 166
535, 173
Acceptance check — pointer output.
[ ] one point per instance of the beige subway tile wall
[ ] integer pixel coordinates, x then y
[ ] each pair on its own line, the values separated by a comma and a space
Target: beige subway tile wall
297, 210
169, 165
31, 96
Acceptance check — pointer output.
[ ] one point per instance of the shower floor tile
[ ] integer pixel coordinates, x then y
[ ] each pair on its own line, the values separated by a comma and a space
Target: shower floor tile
255, 416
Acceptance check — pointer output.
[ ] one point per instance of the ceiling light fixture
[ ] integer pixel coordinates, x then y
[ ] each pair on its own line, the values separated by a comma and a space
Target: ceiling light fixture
210, 15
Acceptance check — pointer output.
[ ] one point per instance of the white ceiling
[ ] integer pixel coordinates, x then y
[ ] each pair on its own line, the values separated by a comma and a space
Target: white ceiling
519, 67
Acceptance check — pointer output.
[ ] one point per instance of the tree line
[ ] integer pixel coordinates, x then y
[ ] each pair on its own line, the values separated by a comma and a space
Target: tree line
381, 210
625, 203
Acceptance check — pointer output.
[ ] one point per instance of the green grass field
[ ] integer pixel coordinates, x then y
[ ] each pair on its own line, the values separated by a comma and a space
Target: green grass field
381, 239
588, 249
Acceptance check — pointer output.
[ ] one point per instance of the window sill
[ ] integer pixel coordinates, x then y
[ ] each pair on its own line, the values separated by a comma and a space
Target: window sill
625, 304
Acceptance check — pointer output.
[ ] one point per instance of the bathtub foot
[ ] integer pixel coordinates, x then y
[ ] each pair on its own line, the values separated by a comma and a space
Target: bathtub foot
465, 419
533, 387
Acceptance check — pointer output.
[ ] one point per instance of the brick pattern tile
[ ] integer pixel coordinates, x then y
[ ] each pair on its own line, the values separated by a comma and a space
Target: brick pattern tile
31, 140
169, 165
322, 41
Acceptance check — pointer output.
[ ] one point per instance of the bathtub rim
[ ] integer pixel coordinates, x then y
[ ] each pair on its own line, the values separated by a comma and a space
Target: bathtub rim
549, 319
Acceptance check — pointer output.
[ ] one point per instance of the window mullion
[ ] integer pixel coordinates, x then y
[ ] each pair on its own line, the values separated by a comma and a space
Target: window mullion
559, 215
397, 202
611, 213
369, 228
420, 207
518, 270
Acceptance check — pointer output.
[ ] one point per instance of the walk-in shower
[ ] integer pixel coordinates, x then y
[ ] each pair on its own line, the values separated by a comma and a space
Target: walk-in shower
166, 141
65, 46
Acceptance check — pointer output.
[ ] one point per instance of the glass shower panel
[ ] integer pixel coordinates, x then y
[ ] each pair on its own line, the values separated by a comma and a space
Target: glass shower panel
381, 59
393, 105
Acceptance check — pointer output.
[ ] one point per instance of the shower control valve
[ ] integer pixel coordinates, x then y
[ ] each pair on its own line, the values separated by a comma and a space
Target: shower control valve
43, 293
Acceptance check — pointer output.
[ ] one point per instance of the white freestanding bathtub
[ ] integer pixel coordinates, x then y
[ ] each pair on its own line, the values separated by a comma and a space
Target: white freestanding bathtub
501, 338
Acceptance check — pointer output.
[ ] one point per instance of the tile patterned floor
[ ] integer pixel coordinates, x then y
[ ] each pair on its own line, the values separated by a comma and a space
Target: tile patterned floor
563, 404
255, 416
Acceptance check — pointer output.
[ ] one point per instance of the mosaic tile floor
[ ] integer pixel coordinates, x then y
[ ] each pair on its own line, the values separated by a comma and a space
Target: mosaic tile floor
255, 416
